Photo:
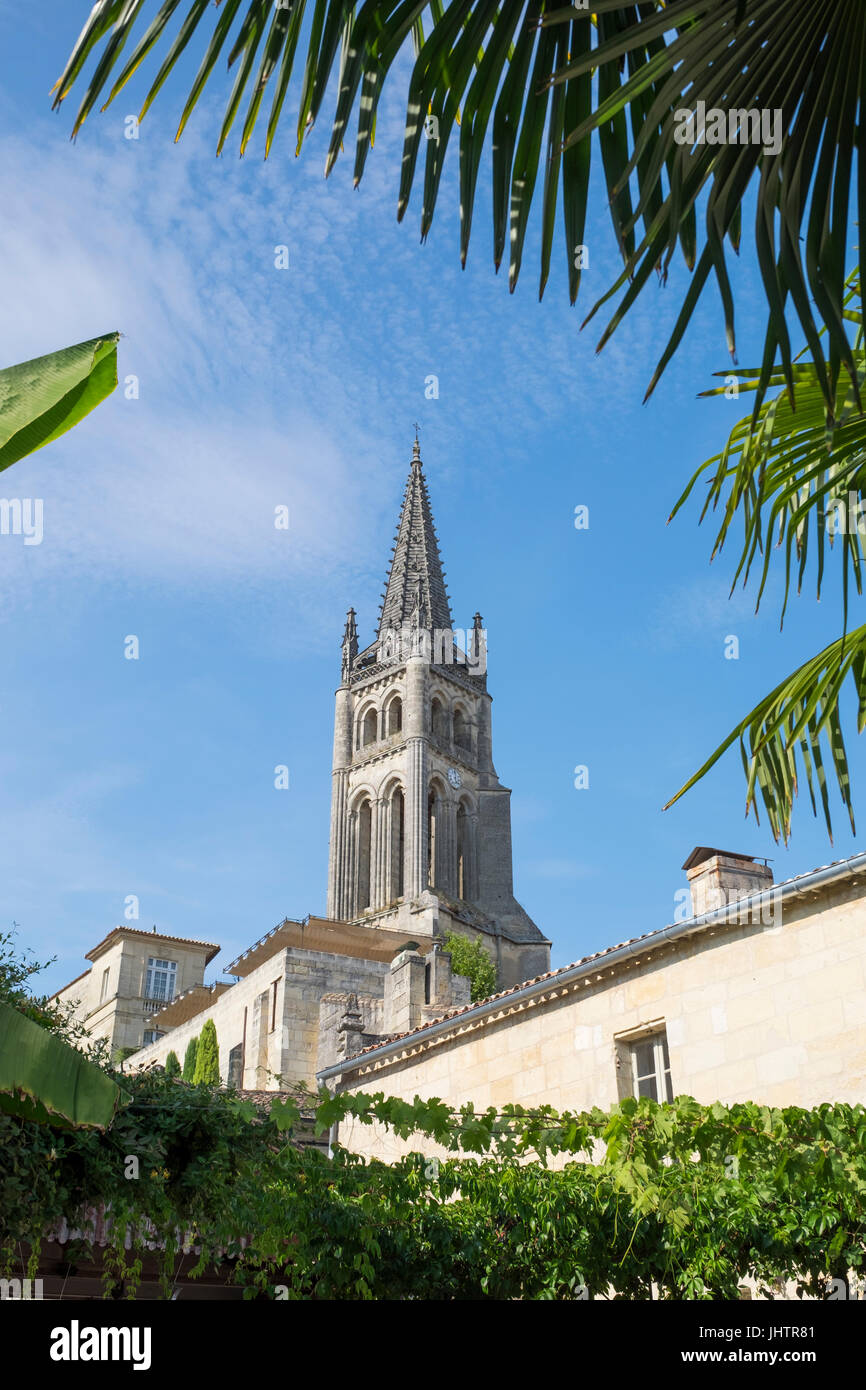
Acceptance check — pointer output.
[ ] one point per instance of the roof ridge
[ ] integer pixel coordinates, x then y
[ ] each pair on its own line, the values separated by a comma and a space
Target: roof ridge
454, 1013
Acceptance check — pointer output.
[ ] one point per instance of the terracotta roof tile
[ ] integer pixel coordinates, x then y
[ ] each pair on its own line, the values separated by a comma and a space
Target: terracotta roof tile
584, 960
209, 946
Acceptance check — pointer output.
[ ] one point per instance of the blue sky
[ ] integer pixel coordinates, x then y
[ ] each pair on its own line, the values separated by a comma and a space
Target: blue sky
260, 387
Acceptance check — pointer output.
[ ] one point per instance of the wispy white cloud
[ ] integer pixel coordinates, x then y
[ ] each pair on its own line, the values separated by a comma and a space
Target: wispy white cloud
233, 366
189, 503
177, 248
703, 607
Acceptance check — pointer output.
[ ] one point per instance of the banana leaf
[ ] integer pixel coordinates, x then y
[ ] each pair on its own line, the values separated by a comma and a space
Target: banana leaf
44, 1080
46, 396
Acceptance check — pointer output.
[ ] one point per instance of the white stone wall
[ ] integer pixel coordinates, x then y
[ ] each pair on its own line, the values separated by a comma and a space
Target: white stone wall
775, 1014
289, 1050
120, 1016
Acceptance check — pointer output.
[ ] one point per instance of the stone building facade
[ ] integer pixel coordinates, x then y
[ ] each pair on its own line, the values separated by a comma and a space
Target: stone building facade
759, 992
132, 976
306, 995
420, 845
759, 995
420, 823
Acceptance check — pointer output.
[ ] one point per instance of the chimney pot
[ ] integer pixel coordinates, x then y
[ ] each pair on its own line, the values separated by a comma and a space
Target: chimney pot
719, 877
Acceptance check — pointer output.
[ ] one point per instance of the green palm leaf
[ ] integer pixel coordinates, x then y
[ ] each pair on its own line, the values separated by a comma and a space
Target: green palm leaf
793, 474
46, 396
797, 481
793, 720
505, 63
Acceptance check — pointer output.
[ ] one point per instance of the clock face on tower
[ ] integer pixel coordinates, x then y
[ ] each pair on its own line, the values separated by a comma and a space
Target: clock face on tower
454, 777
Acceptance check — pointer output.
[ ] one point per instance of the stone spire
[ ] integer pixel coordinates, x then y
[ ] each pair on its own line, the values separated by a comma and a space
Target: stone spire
420, 823
415, 593
350, 644
478, 647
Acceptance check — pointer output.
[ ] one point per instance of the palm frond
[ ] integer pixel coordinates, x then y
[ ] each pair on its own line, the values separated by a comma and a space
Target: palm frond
521, 71
799, 717
797, 478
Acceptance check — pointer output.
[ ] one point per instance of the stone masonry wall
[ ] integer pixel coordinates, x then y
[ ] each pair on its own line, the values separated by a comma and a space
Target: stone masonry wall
775, 1014
289, 1050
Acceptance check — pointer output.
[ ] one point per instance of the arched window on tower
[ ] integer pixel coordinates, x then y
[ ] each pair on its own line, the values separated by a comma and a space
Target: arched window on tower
397, 844
461, 729
370, 730
395, 716
432, 818
438, 718
462, 854
365, 825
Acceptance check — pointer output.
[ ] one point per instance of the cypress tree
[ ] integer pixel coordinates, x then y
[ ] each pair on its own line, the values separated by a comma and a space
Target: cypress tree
189, 1059
207, 1058
172, 1064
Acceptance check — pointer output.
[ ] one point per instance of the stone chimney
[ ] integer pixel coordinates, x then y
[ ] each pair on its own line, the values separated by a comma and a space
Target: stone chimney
405, 991
718, 877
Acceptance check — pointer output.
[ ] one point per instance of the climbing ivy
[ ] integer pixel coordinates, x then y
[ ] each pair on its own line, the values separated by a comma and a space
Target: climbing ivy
677, 1200
646, 1200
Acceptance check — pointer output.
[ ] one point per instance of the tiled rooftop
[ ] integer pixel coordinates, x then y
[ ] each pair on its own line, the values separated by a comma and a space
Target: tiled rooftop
154, 936
584, 960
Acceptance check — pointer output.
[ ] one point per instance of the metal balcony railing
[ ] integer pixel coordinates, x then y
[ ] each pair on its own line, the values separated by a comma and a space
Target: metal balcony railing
153, 1006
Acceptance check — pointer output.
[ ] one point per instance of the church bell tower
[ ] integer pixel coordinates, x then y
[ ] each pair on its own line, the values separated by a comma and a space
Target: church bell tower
420, 823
